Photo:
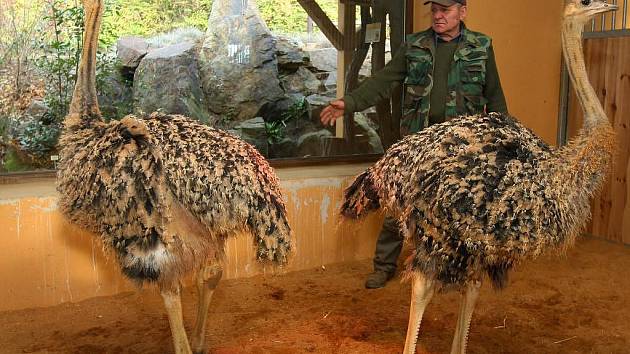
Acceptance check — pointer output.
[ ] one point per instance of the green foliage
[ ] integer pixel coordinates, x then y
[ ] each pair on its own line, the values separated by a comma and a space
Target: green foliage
41, 41
13, 163
62, 52
276, 130
149, 17
20, 21
287, 16
38, 138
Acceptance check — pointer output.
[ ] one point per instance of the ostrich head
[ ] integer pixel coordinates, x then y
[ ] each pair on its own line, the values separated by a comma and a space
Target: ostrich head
583, 11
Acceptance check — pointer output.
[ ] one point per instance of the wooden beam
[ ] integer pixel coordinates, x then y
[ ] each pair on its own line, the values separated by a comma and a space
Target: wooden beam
347, 19
323, 22
409, 16
357, 2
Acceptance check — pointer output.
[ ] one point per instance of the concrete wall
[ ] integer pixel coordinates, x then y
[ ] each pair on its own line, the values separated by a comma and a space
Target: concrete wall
45, 261
526, 37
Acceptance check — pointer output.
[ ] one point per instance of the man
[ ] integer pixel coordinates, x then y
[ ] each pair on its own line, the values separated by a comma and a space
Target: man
447, 71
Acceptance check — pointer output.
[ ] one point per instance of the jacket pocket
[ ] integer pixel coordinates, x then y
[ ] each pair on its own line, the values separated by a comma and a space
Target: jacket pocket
475, 103
473, 78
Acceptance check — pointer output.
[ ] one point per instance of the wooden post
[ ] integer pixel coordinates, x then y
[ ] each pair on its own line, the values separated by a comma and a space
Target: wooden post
347, 19
309, 25
383, 108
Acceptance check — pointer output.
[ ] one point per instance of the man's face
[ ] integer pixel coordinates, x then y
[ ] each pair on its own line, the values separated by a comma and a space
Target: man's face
446, 19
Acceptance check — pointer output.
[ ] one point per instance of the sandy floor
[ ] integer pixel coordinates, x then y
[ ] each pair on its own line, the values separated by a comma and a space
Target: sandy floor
574, 304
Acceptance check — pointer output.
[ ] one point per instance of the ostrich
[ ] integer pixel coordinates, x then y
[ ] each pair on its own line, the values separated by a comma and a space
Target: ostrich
163, 192
478, 194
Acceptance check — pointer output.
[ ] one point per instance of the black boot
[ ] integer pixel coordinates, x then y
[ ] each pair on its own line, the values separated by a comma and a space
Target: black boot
377, 279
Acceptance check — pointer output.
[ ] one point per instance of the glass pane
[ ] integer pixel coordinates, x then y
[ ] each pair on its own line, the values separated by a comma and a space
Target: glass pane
259, 69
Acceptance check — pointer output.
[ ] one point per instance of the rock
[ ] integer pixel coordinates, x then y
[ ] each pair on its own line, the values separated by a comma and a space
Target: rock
316, 103
37, 109
302, 81
168, 79
238, 65
115, 97
330, 83
273, 111
289, 54
323, 59
178, 35
314, 143
286, 147
365, 128
130, 50
253, 131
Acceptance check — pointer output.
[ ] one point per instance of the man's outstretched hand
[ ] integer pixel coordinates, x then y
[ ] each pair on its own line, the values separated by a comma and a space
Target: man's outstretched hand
331, 112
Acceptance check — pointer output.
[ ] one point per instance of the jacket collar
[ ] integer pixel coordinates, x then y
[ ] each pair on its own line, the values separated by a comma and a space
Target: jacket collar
466, 41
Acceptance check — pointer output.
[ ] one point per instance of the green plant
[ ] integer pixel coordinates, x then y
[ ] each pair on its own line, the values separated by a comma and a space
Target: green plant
276, 130
38, 138
13, 163
287, 16
61, 52
20, 21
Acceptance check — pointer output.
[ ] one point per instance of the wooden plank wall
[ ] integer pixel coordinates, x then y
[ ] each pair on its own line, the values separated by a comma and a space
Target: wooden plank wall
608, 65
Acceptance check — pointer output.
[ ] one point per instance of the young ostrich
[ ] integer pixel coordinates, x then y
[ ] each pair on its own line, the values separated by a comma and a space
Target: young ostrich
476, 195
163, 192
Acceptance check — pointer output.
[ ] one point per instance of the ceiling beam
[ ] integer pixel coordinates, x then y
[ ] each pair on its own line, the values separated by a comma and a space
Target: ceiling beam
357, 2
323, 22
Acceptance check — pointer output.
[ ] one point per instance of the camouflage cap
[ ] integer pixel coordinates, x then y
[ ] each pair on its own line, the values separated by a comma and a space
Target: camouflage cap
447, 2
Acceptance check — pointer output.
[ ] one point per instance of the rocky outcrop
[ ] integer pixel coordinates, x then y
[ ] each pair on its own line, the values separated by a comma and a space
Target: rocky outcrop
130, 50
167, 79
238, 66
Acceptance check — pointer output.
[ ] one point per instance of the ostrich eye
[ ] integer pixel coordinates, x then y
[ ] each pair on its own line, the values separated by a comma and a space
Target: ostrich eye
586, 2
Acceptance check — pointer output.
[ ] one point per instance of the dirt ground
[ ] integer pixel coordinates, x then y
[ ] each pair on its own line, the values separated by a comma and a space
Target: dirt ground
578, 303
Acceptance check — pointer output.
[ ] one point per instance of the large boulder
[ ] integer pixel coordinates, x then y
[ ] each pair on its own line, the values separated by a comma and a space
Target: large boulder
168, 79
323, 59
37, 109
130, 50
366, 129
253, 131
316, 103
177, 35
238, 65
315, 143
302, 81
289, 54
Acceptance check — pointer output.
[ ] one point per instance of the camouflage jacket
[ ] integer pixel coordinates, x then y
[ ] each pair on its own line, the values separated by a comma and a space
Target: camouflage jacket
466, 78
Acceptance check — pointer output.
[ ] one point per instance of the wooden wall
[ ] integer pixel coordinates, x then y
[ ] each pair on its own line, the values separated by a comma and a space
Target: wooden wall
608, 65
526, 40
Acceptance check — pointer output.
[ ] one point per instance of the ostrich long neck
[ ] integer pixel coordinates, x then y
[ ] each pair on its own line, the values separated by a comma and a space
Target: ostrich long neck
84, 105
584, 163
573, 55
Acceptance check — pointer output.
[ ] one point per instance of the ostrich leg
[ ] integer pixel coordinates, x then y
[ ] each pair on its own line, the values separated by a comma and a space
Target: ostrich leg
465, 315
421, 293
207, 280
173, 304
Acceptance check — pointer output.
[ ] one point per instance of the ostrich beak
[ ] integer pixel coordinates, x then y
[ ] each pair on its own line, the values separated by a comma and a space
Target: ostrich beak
602, 6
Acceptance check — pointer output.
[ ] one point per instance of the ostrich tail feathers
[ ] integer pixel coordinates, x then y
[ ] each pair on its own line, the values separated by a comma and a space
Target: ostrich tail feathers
361, 197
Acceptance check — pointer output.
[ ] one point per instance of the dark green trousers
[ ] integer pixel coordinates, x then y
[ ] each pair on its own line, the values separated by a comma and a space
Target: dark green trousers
388, 246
